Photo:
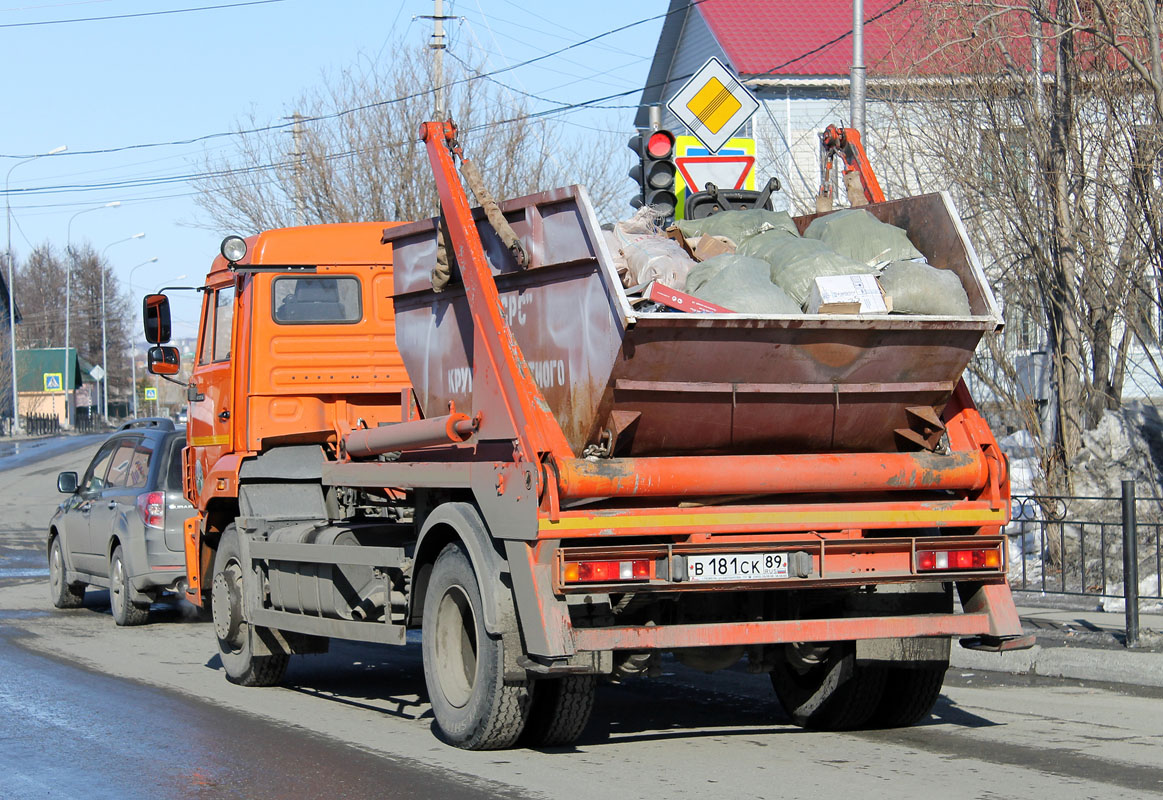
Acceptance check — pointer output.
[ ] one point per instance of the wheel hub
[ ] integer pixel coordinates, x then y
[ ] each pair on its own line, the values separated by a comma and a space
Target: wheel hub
226, 607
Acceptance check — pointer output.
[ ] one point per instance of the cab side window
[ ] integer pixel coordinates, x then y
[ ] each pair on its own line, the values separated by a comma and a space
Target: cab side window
218, 316
223, 323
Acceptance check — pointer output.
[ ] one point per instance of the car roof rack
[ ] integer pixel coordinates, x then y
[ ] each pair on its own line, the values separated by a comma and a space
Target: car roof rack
161, 423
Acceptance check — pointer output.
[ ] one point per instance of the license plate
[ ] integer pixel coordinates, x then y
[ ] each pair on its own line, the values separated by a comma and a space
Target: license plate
737, 567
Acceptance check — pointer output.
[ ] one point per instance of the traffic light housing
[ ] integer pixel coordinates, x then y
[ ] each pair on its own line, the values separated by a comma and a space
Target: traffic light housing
654, 173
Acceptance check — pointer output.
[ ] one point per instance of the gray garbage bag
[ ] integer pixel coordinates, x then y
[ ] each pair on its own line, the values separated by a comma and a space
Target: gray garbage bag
795, 263
855, 233
738, 226
917, 288
656, 258
740, 283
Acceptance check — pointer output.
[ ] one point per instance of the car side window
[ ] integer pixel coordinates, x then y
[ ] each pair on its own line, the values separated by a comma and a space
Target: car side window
174, 477
121, 463
94, 480
138, 474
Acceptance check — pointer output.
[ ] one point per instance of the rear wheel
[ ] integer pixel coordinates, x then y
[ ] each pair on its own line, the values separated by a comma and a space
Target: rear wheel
822, 686
237, 638
561, 708
64, 594
909, 695
475, 708
125, 611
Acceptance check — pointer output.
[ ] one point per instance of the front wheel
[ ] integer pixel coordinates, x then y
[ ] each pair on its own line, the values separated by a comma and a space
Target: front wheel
63, 593
475, 708
822, 686
125, 611
237, 637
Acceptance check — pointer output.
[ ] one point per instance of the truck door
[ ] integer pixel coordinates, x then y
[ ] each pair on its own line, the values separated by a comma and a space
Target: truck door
211, 391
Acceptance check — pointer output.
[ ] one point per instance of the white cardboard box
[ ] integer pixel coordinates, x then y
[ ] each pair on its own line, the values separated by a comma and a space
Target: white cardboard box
848, 294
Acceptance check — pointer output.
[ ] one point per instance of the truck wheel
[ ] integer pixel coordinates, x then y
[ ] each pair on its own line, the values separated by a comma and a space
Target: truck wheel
561, 708
822, 686
475, 708
235, 635
125, 611
64, 594
909, 695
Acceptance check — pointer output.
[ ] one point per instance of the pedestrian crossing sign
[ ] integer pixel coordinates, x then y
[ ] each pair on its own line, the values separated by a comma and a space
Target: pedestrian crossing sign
150, 393
53, 382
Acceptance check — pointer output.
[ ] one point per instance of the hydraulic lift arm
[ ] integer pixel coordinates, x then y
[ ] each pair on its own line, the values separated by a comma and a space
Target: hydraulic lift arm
859, 179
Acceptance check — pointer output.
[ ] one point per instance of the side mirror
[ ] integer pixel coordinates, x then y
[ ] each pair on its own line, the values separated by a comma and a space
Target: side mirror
163, 360
67, 482
155, 310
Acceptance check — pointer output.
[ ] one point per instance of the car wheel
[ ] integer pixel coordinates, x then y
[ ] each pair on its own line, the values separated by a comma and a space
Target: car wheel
475, 708
64, 594
237, 638
125, 611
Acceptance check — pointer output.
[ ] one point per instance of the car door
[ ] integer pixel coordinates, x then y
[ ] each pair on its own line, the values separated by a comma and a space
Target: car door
79, 507
211, 387
125, 480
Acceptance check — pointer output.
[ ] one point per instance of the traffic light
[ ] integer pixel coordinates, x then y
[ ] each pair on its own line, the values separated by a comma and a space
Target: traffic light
654, 171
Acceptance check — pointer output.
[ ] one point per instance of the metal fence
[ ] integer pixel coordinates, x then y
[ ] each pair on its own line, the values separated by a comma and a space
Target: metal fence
1089, 546
42, 424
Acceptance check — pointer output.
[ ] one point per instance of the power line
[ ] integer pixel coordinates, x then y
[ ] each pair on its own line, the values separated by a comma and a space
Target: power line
139, 14
378, 104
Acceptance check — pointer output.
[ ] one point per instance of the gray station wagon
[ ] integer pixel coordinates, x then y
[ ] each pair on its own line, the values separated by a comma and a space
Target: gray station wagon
121, 526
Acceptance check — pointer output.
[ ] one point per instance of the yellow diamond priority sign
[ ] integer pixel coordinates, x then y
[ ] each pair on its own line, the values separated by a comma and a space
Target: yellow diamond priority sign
713, 104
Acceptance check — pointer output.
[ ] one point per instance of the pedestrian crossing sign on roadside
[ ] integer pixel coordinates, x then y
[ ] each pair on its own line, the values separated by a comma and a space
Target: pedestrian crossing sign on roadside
53, 382
150, 393
713, 104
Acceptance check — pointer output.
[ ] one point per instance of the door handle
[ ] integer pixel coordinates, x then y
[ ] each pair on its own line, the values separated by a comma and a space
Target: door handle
224, 415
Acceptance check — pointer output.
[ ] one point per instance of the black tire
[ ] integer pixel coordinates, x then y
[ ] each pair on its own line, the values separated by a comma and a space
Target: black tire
561, 708
64, 594
125, 611
822, 687
464, 666
909, 695
236, 636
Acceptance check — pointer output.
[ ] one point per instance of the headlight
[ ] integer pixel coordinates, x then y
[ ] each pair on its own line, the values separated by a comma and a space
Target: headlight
233, 249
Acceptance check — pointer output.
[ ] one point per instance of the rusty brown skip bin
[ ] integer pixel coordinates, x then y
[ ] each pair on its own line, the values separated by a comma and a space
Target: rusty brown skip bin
673, 383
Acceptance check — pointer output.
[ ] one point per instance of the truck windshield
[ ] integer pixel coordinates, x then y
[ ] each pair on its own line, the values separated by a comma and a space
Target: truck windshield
316, 299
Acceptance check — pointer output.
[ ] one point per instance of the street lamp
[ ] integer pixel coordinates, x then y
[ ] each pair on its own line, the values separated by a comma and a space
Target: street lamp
12, 279
133, 342
104, 356
68, 292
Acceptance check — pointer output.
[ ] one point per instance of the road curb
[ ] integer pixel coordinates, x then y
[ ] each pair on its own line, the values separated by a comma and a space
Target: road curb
1076, 663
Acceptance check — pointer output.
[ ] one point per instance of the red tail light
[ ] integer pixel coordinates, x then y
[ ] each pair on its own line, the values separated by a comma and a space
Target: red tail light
606, 571
152, 508
949, 560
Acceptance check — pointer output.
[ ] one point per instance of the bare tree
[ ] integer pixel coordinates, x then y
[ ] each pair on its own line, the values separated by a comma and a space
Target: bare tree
1028, 111
41, 287
351, 152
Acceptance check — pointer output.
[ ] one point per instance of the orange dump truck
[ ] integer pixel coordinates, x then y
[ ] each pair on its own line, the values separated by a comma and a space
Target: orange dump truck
555, 487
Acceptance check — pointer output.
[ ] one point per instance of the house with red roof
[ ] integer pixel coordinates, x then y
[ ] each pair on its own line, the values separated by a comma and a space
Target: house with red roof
794, 56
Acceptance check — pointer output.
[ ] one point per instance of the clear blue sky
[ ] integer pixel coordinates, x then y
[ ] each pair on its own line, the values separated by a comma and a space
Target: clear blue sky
102, 84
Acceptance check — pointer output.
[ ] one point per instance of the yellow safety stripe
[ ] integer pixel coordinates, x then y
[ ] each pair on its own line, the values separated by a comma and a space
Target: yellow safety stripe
206, 441
817, 519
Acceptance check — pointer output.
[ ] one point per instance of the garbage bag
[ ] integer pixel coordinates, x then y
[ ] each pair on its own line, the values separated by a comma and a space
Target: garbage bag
740, 283
917, 288
855, 233
614, 245
649, 255
739, 226
656, 258
795, 263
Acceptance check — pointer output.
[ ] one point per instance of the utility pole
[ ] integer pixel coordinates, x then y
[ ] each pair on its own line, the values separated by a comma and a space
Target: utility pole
298, 167
438, 56
856, 74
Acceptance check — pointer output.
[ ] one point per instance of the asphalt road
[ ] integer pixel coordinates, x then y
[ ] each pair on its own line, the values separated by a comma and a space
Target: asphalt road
91, 710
